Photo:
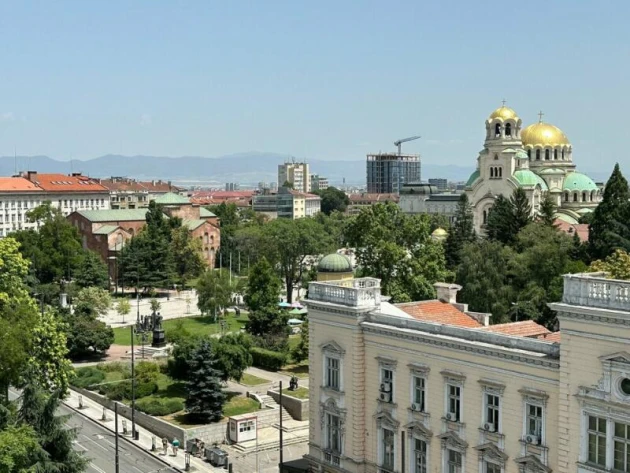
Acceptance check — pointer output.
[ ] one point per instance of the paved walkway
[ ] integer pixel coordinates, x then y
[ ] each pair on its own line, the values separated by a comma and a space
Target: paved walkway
171, 308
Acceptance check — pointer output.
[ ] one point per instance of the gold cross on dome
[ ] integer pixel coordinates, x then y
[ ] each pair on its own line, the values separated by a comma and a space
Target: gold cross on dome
503, 102
540, 115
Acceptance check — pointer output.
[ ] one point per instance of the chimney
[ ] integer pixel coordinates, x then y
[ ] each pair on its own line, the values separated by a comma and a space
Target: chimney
447, 292
30, 175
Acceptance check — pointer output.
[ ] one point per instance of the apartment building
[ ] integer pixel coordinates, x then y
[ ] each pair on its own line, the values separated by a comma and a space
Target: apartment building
431, 387
319, 183
295, 173
294, 204
127, 193
387, 172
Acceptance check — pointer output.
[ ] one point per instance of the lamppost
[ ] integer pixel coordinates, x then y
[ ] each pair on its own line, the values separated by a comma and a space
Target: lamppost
133, 386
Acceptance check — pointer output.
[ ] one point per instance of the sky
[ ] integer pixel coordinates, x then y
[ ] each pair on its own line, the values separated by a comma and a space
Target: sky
329, 80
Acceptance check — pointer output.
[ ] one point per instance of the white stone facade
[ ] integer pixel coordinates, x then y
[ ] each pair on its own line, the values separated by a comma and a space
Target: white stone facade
392, 394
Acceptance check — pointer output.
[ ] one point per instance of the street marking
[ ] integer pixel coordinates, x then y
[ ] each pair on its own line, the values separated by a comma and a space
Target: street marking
92, 465
135, 468
95, 443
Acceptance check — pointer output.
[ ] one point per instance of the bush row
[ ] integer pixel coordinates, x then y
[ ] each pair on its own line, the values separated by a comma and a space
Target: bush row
155, 406
122, 390
267, 359
88, 376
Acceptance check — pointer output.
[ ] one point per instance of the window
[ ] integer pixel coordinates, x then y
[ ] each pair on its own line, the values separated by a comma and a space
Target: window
584, 197
497, 130
546, 155
563, 154
387, 449
332, 372
418, 393
533, 420
566, 196
621, 439
387, 377
453, 461
453, 402
597, 440
529, 153
420, 455
555, 154
333, 433
491, 172
537, 155
489, 467
492, 412
508, 129
575, 197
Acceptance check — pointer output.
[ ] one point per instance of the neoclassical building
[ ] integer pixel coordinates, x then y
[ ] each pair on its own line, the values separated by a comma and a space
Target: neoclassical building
430, 387
537, 158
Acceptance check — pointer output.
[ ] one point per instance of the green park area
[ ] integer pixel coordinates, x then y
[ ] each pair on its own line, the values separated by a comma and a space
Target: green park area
300, 393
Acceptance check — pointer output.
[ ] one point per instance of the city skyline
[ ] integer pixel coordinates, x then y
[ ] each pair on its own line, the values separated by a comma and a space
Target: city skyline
325, 81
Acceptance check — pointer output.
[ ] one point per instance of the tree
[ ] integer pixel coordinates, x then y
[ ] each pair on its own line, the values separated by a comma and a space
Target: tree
263, 286
92, 301
461, 232
50, 353
300, 352
205, 399
508, 216
270, 326
547, 214
123, 308
398, 249
19, 449
214, 291
521, 209
180, 361
609, 228
232, 356
288, 185
186, 253
92, 272
333, 200
87, 336
155, 305
616, 265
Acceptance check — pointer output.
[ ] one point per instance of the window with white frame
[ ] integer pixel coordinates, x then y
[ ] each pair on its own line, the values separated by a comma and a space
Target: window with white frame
453, 461
533, 420
419, 393
333, 433
453, 402
420, 456
492, 408
597, 440
490, 467
387, 384
387, 449
333, 368
621, 452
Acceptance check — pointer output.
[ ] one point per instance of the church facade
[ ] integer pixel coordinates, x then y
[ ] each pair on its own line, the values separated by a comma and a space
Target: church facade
537, 158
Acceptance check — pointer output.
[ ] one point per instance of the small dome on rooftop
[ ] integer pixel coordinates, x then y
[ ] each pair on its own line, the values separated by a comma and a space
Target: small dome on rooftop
334, 263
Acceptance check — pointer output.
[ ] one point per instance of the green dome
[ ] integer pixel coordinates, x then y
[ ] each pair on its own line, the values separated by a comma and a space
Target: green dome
576, 181
334, 263
525, 177
473, 177
521, 154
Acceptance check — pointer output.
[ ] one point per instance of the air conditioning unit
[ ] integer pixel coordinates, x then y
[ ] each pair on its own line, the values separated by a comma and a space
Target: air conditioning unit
489, 427
533, 439
450, 416
385, 397
416, 406
386, 387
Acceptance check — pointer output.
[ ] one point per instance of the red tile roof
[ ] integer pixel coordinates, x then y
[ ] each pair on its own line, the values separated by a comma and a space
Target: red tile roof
12, 184
571, 228
438, 312
524, 328
551, 337
65, 183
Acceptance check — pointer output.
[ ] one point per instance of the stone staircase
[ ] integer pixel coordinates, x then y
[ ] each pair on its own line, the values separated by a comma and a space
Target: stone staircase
270, 443
270, 403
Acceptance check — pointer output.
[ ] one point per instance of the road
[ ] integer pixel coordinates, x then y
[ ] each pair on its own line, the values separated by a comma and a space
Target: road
98, 444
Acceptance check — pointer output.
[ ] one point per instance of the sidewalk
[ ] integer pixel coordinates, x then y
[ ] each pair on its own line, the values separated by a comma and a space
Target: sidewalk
172, 308
94, 411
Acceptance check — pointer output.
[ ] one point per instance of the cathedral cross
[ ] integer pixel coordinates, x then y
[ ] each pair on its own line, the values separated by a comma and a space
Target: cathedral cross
503, 102
540, 115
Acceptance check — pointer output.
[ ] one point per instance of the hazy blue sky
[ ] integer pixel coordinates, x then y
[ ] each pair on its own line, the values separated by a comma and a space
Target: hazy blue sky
319, 80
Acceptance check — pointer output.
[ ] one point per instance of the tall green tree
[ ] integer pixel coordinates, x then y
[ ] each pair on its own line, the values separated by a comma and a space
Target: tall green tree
186, 254
522, 210
205, 398
232, 356
461, 232
398, 249
92, 272
547, 214
263, 286
508, 216
92, 301
333, 200
215, 291
300, 352
609, 229
19, 449
270, 327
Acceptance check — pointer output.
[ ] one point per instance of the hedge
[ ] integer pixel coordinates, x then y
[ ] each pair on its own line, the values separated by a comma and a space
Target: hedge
155, 406
122, 390
268, 359
88, 376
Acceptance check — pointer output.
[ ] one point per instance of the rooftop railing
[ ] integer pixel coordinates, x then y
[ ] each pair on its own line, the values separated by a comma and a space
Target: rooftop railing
595, 290
359, 293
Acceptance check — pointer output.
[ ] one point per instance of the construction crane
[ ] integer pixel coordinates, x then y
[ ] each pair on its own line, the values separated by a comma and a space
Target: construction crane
404, 140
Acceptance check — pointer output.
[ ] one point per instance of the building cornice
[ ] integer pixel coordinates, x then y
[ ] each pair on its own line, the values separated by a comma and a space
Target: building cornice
591, 314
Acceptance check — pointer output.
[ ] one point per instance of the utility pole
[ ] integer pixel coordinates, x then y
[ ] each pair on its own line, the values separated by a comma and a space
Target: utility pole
116, 436
281, 443
133, 387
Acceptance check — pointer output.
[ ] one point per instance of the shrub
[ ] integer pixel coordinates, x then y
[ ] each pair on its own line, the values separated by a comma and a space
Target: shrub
267, 359
122, 390
116, 366
88, 376
147, 371
155, 406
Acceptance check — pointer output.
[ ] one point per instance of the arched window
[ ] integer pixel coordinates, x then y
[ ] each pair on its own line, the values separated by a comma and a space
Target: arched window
583, 196
497, 130
566, 196
546, 155
508, 129
529, 153
592, 196
500, 172
537, 155
575, 197
496, 157
491, 172
485, 217
555, 154
563, 154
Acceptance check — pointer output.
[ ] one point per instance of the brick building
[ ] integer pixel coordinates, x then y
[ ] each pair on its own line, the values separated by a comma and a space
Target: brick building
126, 193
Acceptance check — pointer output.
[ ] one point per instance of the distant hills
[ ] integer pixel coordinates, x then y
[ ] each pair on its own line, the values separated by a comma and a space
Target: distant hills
244, 168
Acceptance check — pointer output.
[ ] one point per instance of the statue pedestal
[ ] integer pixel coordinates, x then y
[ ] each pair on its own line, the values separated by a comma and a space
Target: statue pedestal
159, 339
63, 300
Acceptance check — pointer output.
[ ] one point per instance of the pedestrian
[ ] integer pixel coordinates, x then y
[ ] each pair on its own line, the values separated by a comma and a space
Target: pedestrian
165, 445
175, 446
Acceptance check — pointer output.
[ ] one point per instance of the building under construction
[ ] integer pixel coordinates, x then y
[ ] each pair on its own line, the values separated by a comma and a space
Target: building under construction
387, 172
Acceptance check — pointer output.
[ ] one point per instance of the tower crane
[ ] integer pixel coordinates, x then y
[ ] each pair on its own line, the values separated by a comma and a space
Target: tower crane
404, 140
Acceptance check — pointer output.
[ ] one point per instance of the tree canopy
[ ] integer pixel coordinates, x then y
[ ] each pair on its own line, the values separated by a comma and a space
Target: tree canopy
508, 216
461, 232
263, 286
333, 200
205, 397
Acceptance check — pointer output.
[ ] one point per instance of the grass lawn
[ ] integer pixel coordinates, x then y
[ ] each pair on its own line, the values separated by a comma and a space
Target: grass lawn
300, 393
196, 325
234, 406
251, 380
300, 370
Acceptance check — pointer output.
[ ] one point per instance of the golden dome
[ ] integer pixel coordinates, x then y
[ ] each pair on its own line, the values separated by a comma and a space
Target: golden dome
543, 134
504, 113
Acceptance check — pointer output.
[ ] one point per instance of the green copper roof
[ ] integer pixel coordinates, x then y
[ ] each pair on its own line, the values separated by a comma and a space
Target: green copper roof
172, 199
567, 218
193, 223
527, 178
473, 177
334, 263
205, 213
551, 171
105, 230
576, 181
585, 211
521, 154
114, 215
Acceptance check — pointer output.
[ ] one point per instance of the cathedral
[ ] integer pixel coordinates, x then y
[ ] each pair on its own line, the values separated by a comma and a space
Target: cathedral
537, 158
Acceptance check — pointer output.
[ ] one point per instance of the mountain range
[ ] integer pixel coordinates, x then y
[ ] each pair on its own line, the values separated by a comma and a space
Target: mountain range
243, 168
